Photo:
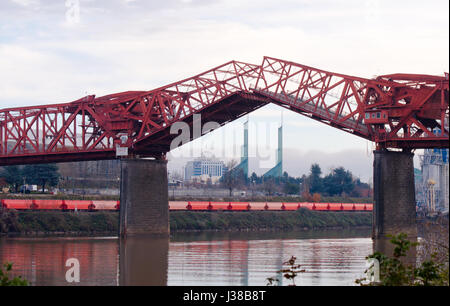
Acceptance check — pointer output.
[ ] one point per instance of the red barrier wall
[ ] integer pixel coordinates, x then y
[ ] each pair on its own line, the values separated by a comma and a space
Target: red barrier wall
78, 204
290, 206
48, 204
240, 206
17, 204
198, 206
23, 204
220, 206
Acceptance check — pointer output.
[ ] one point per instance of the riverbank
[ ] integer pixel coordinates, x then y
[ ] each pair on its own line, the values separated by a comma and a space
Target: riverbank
303, 219
107, 223
59, 223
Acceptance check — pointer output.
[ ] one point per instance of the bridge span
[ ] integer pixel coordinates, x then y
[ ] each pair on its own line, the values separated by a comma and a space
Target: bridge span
399, 112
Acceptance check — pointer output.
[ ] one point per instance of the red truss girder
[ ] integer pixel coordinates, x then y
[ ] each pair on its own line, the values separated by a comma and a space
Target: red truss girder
414, 105
411, 108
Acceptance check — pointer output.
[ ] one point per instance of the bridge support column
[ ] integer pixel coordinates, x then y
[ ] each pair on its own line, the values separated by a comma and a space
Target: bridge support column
144, 208
394, 194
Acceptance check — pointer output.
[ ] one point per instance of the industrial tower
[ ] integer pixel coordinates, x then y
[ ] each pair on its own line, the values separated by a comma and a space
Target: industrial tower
277, 171
244, 154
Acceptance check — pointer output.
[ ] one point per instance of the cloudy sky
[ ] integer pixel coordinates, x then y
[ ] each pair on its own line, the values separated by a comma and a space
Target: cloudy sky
60, 50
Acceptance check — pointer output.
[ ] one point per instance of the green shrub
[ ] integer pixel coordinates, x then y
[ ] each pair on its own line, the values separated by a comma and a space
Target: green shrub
5, 279
394, 272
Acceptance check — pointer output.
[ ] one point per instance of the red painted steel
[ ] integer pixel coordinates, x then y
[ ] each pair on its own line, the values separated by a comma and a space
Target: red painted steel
335, 206
414, 104
239, 206
77, 204
290, 206
348, 206
321, 206
359, 206
219, 206
199, 205
274, 205
306, 205
257, 205
183, 205
178, 205
93, 127
48, 204
17, 204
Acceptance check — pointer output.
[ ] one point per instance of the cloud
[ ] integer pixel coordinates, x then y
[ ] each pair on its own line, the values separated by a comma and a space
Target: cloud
120, 45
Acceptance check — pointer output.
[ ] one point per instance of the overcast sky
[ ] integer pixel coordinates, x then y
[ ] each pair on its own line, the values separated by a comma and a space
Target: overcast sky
58, 51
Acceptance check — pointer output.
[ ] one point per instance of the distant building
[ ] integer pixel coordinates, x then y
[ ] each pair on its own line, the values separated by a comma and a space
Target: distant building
203, 169
435, 180
418, 186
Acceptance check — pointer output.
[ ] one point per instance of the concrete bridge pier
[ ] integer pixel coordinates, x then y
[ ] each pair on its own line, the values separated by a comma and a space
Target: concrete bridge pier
394, 194
144, 208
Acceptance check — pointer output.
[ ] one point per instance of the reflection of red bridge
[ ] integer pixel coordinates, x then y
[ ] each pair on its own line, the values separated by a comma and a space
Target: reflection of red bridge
95, 205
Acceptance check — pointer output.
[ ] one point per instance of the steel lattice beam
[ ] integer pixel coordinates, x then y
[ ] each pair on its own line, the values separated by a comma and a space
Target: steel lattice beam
395, 111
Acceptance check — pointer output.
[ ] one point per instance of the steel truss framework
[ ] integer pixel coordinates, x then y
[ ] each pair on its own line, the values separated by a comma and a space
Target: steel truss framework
395, 111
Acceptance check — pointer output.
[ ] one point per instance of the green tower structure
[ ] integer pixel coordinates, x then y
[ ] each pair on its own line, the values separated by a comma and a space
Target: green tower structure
277, 171
244, 154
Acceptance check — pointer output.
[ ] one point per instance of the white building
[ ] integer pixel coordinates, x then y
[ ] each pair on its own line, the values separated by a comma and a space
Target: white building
203, 169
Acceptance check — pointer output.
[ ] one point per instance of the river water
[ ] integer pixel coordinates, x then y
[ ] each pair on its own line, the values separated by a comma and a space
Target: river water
192, 259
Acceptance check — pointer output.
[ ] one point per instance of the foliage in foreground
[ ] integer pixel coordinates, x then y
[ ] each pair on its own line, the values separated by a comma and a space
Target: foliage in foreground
290, 272
394, 272
5, 279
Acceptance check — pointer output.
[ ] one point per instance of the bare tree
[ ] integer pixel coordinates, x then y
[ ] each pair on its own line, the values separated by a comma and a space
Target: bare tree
234, 177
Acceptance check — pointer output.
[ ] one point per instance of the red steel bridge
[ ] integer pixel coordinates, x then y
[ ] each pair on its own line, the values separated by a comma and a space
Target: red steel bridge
401, 111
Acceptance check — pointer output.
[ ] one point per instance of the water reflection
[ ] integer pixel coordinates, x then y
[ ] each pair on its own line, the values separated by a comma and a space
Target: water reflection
42, 260
143, 261
249, 258
202, 259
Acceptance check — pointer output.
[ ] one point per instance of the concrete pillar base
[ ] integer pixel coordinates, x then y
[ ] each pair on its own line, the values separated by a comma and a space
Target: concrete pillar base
144, 206
394, 194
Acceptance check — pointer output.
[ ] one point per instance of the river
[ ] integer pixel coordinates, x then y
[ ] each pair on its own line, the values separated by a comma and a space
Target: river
332, 257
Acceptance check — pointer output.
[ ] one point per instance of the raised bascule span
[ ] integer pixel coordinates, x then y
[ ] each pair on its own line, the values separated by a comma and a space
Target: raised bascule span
396, 111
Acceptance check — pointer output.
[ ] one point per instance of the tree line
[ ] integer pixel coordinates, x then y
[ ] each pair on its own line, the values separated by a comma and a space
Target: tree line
43, 175
339, 182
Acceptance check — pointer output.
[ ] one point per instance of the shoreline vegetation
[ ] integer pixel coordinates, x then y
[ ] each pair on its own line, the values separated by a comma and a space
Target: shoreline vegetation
47, 196
30, 223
